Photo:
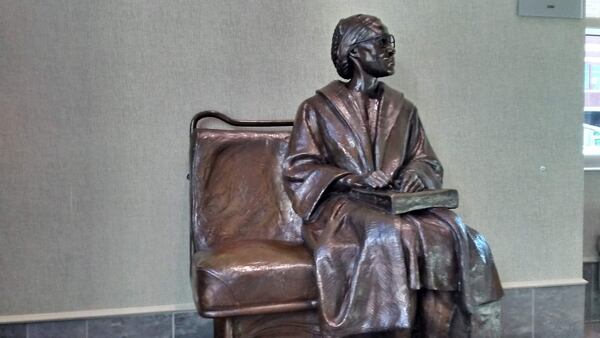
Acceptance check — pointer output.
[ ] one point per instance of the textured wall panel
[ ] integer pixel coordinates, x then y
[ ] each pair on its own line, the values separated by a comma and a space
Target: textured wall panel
95, 99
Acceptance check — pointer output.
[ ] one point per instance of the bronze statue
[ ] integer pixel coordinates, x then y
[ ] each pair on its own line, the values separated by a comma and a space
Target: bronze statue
340, 228
418, 274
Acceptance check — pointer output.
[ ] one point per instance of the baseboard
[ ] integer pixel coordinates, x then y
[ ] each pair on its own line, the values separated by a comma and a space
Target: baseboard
39, 317
544, 283
541, 308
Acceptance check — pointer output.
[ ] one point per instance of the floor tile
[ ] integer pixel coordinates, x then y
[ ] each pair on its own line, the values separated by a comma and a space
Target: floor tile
57, 329
592, 304
517, 316
191, 325
558, 311
144, 326
12, 331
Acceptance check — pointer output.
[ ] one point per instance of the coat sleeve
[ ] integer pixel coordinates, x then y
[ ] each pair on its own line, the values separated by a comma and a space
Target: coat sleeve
306, 171
421, 157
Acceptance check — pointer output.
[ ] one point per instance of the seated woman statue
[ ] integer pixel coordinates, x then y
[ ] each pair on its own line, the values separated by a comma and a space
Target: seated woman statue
418, 274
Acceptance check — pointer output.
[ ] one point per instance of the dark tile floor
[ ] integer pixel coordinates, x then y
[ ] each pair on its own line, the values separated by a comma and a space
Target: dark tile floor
161, 325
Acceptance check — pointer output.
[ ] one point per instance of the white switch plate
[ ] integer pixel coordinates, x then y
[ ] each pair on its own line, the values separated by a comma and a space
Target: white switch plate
552, 8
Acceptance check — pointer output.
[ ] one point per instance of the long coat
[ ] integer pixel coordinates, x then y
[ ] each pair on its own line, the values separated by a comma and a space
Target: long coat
369, 264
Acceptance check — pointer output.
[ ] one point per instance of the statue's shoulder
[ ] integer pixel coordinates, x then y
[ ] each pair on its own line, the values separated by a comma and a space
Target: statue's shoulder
333, 91
320, 101
398, 98
310, 107
312, 102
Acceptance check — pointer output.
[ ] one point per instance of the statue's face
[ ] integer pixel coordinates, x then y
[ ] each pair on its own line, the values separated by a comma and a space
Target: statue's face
376, 53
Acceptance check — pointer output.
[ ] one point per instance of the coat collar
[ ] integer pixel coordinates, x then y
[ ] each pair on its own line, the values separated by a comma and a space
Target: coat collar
343, 103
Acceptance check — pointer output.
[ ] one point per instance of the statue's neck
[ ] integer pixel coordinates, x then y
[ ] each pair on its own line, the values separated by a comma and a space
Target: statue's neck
363, 83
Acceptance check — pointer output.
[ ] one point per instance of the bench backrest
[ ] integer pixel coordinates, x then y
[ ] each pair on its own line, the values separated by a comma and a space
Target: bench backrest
236, 188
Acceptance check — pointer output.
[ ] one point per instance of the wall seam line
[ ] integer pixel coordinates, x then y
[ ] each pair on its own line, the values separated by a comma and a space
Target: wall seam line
100, 313
532, 312
173, 325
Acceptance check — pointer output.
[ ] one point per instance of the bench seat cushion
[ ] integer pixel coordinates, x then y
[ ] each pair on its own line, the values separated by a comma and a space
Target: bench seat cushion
258, 276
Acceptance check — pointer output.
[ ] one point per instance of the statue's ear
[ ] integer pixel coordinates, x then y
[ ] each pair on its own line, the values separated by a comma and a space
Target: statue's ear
353, 55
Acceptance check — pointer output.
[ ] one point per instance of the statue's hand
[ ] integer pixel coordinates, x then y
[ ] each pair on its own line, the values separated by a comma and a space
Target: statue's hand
409, 181
376, 179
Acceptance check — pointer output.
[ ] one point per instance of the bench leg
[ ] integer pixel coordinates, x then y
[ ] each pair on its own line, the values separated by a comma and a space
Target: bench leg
302, 324
223, 327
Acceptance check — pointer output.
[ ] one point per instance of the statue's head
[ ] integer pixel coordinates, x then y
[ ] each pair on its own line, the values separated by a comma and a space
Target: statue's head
362, 40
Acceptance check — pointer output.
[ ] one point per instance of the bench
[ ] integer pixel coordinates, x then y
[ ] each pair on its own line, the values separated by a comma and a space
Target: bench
249, 268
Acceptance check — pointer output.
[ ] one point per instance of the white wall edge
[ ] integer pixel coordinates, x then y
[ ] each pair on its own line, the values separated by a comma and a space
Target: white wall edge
544, 283
590, 259
40, 317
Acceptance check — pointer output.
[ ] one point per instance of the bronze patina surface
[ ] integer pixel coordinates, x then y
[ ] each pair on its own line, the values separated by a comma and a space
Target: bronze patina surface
398, 203
282, 245
375, 271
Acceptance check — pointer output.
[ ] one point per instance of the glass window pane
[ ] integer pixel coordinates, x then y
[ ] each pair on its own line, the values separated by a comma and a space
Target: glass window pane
592, 71
591, 133
592, 8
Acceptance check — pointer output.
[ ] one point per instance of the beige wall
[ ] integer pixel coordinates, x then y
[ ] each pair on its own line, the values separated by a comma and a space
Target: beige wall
95, 99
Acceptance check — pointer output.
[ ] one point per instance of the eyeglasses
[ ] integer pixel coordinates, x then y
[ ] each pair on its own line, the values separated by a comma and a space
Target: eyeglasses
383, 40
